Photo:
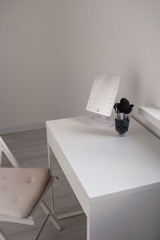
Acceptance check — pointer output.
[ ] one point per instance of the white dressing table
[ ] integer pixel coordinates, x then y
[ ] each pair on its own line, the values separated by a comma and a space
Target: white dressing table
115, 178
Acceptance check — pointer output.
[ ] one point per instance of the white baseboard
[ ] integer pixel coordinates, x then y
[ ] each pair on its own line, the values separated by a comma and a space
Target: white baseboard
22, 128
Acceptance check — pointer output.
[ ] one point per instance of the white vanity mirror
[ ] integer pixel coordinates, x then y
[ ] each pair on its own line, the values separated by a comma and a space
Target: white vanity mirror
102, 98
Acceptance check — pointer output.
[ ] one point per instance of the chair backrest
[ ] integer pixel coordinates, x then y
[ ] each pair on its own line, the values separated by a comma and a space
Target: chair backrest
7, 152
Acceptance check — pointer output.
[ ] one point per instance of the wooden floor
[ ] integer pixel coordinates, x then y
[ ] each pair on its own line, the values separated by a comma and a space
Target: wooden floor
30, 149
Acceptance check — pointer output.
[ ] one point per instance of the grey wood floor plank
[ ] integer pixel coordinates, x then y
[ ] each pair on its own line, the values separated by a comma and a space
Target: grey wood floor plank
30, 150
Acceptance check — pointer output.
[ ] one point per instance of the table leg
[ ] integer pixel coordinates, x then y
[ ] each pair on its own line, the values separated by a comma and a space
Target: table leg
66, 215
130, 217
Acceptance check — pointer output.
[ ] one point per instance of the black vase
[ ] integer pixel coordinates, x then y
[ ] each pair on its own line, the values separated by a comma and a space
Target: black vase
122, 125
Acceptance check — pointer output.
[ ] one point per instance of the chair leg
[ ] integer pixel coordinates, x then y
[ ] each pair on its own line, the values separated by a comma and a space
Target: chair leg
0, 157
52, 199
49, 164
3, 236
36, 238
51, 216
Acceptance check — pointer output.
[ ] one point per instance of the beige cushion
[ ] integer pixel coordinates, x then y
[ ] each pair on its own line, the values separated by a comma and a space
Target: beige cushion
20, 189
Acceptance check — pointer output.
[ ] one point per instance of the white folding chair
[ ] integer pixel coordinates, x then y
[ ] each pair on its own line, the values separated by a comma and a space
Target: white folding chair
21, 191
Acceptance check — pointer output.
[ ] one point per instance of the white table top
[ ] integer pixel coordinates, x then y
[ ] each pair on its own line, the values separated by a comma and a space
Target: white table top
107, 164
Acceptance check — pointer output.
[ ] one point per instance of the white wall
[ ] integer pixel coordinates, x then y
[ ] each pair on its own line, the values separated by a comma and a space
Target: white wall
52, 49
31, 63
113, 36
